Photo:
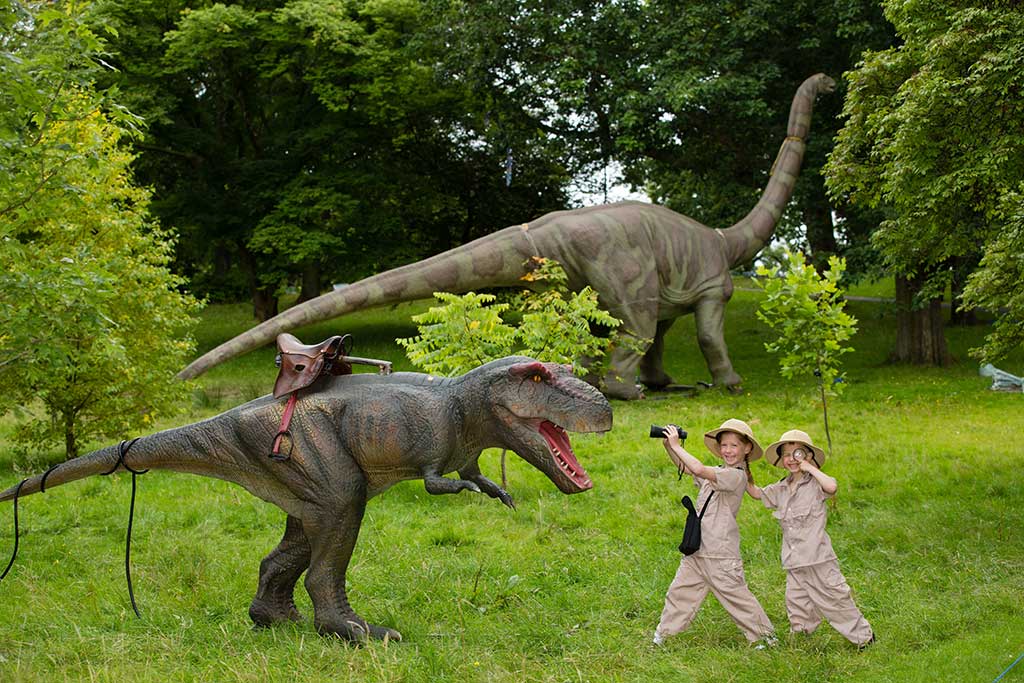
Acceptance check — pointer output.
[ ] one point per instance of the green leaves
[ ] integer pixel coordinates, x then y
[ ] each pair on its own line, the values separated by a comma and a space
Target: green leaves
935, 137
461, 335
555, 326
996, 285
805, 311
94, 326
312, 139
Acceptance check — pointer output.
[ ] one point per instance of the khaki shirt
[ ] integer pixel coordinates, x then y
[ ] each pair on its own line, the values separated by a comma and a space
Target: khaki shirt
719, 533
801, 512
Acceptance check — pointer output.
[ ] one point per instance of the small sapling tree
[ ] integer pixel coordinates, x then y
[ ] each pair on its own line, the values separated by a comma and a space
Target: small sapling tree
555, 326
805, 310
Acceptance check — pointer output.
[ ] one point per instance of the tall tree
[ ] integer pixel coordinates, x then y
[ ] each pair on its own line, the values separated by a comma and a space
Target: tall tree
934, 137
92, 323
690, 97
308, 140
550, 69
723, 74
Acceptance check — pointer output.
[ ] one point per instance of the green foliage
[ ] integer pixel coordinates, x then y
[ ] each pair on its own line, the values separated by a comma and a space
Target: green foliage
556, 323
996, 284
311, 139
92, 323
463, 334
691, 100
935, 138
805, 311
555, 326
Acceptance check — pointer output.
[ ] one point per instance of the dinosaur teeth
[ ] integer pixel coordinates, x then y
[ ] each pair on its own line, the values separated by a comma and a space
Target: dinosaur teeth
558, 444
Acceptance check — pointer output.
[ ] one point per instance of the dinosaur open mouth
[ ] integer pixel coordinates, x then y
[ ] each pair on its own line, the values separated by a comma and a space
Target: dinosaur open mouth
558, 443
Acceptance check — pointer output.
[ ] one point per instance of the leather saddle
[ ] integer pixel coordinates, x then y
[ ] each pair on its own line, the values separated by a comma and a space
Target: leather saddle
303, 364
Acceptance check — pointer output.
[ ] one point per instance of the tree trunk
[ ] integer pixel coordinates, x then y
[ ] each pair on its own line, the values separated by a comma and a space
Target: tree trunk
221, 263
963, 266
264, 298
920, 332
264, 303
310, 282
821, 234
70, 440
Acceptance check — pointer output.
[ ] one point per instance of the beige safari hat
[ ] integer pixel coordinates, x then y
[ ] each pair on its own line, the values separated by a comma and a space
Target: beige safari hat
795, 436
733, 425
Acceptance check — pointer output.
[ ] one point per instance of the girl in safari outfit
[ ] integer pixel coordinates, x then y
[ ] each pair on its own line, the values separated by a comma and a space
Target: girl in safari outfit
717, 567
815, 587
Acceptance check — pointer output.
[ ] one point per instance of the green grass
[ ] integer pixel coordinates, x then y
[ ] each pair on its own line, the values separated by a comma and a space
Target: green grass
928, 525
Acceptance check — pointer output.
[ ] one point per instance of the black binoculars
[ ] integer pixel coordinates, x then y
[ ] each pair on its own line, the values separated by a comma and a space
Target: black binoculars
659, 432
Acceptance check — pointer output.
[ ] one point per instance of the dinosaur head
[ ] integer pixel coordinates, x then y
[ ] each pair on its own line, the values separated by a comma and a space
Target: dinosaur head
535, 406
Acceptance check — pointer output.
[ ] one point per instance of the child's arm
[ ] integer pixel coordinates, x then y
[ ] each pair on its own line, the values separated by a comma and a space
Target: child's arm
676, 460
753, 490
828, 484
683, 459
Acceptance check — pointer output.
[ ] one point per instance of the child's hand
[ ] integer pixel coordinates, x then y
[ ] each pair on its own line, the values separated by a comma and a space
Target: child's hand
806, 465
671, 435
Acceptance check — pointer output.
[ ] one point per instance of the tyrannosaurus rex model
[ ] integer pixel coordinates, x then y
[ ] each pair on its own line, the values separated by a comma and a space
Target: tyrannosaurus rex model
353, 437
648, 264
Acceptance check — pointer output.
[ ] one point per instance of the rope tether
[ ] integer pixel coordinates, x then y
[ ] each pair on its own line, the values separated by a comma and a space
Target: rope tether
42, 482
15, 553
122, 451
17, 492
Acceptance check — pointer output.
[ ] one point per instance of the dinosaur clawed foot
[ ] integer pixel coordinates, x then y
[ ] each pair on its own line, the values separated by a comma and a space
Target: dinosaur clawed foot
655, 379
267, 613
626, 391
730, 380
356, 630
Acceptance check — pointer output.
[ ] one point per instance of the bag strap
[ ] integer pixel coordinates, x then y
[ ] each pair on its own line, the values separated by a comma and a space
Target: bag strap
705, 506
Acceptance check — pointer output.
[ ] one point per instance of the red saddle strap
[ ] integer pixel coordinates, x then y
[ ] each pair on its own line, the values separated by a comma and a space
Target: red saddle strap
283, 431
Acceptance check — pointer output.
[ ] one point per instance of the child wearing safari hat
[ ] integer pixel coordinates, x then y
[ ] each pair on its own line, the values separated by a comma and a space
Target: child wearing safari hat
717, 567
815, 587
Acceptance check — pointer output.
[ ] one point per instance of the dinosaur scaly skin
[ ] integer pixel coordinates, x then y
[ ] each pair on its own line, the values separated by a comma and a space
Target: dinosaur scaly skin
354, 436
648, 264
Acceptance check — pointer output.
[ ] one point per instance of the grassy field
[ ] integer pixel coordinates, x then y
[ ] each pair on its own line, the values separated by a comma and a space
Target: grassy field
928, 526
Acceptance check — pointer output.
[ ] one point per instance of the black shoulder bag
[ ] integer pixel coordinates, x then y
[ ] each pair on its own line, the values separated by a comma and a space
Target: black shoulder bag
691, 533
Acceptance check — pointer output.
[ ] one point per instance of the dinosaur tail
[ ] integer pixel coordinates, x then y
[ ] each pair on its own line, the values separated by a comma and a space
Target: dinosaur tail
96, 462
746, 237
192, 448
495, 260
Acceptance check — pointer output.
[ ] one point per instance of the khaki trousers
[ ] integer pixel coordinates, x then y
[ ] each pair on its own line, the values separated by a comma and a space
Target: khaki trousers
726, 581
820, 590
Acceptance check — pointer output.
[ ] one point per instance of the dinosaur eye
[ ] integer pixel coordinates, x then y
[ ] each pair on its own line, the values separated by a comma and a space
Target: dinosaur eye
536, 378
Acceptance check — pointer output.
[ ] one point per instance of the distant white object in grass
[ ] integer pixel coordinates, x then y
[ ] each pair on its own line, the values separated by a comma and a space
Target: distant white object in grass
1001, 380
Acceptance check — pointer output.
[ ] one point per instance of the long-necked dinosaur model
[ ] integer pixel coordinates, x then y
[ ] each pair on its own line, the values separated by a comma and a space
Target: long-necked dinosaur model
353, 437
648, 264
